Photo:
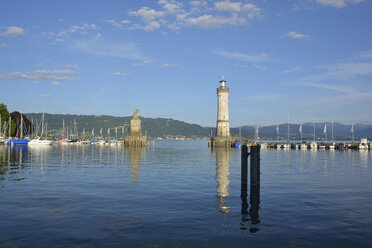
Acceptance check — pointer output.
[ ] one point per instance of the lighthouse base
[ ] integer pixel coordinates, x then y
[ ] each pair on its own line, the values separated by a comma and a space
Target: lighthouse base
223, 141
135, 141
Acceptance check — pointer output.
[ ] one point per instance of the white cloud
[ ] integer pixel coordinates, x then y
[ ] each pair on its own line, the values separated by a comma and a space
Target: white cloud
13, 31
99, 35
67, 71
114, 23
344, 70
69, 66
82, 29
338, 3
261, 67
59, 40
41, 74
341, 77
151, 26
106, 48
295, 35
209, 21
118, 73
147, 14
365, 54
171, 6
44, 95
4, 45
175, 16
294, 69
55, 83
228, 6
167, 65
333, 87
143, 63
242, 56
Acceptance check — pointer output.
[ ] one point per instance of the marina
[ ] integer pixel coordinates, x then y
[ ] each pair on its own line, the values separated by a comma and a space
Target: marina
184, 194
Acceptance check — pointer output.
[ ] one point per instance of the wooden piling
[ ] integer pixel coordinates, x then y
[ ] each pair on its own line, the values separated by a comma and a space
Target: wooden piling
255, 165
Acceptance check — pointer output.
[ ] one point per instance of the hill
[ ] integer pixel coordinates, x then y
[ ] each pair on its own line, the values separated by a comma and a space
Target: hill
169, 128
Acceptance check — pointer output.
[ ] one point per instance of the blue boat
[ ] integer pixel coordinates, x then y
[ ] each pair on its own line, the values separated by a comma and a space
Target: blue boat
238, 144
19, 141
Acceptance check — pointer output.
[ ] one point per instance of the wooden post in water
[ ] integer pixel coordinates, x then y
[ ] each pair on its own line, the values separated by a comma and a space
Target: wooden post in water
255, 165
254, 198
244, 179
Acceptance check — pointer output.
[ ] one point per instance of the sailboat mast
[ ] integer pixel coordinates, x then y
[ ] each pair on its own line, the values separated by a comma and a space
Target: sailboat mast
332, 132
63, 129
314, 131
10, 126
42, 125
21, 128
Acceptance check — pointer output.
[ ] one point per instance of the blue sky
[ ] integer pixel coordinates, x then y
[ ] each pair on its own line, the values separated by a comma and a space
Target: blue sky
306, 59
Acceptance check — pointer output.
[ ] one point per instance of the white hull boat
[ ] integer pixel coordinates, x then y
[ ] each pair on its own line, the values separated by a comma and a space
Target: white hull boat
363, 144
303, 146
286, 146
40, 141
313, 146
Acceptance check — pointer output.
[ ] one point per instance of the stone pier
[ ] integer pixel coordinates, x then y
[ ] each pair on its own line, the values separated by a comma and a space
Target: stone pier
135, 137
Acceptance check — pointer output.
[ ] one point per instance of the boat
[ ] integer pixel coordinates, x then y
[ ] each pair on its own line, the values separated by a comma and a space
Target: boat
278, 146
303, 146
341, 146
332, 146
297, 146
287, 146
313, 146
40, 141
363, 145
20, 140
322, 146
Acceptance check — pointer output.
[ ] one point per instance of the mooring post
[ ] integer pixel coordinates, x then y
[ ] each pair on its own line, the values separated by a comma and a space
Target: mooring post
254, 199
255, 165
244, 178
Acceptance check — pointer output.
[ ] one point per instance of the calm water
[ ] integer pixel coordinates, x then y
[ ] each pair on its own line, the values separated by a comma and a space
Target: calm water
182, 194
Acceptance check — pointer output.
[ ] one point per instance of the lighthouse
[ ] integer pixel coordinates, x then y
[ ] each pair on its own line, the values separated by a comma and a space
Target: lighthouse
223, 124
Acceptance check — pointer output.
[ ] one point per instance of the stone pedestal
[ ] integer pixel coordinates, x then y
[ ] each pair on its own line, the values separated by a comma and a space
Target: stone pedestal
135, 137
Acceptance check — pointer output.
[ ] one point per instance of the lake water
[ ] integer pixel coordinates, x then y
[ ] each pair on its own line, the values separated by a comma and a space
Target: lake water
182, 194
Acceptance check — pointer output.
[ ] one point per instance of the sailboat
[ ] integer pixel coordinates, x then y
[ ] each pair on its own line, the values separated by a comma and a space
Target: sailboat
2, 137
41, 140
287, 145
20, 140
314, 145
332, 145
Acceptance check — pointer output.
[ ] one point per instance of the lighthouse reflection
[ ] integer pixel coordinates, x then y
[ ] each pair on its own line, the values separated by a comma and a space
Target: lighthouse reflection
135, 161
222, 177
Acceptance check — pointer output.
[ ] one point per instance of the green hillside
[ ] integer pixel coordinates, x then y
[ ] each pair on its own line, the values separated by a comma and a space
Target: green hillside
159, 127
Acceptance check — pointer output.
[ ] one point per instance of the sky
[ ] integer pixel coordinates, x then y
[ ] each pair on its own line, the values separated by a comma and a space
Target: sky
301, 60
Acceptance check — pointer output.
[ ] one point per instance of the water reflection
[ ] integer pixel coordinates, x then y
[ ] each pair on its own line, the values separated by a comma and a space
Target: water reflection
135, 161
222, 177
254, 197
13, 158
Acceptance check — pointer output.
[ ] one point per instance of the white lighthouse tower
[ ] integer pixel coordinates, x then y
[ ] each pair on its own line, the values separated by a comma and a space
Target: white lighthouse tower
223, 123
